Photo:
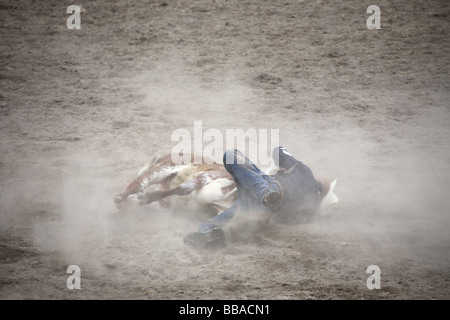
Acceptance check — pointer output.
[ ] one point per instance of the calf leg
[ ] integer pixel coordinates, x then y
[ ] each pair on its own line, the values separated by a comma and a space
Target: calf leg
181, 190
133, 188
138, 186
163, 203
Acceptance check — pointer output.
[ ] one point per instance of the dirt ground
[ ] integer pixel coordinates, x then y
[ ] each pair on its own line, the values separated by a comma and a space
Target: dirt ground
81, 111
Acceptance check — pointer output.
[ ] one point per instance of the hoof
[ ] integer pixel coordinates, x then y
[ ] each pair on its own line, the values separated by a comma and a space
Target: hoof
118, 202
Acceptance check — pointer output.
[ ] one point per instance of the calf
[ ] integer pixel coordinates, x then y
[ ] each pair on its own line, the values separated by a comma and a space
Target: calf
209, 185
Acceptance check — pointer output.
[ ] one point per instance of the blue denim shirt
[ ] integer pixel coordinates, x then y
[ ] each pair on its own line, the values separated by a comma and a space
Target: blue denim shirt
300, 193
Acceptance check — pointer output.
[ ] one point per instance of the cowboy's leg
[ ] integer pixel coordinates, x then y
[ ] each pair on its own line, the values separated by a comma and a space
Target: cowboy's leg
250, 180
210, 233
221, 219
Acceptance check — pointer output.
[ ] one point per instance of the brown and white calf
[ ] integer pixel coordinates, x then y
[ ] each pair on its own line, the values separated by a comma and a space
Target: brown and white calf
210, 186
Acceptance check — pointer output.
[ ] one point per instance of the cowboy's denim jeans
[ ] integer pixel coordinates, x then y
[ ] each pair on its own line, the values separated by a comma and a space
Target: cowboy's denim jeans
251, 183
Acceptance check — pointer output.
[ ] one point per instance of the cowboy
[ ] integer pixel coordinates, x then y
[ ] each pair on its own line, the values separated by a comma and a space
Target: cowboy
293, 195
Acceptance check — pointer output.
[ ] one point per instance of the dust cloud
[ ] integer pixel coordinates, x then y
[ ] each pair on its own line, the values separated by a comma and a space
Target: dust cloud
81, 112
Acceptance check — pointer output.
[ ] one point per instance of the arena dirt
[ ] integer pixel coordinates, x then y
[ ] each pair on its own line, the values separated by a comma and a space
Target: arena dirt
82, 110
